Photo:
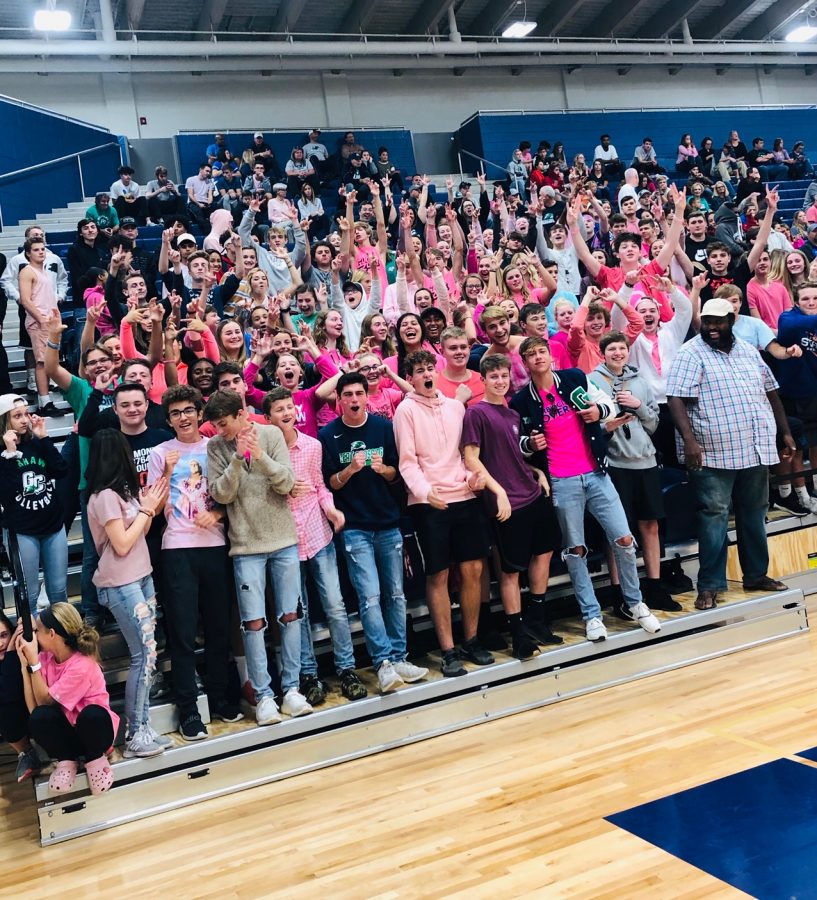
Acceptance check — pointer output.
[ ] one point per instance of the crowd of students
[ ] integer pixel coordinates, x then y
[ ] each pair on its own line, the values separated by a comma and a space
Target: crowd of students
277, 409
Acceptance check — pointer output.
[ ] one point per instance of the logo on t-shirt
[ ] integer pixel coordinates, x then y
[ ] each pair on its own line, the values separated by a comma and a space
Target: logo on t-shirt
357, 447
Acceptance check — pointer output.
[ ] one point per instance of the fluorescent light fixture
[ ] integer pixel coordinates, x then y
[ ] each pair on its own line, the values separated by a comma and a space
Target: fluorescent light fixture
801, 33
518, 29
52, 20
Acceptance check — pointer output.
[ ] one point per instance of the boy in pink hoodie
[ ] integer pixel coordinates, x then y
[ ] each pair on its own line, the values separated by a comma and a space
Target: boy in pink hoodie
448, 519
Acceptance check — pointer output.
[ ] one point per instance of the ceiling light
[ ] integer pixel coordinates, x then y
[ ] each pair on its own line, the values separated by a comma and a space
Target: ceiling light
801, 33
52, 20
518, 29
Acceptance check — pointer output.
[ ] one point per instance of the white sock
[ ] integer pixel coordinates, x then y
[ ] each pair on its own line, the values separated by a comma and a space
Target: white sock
784, 490
241, 664
43, 399
802, 495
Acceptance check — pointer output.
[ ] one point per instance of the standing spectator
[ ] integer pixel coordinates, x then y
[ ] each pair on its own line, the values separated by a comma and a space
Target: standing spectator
359, 463
163, 197
447, 517
250, 473
195, 565
517, 173
561, 434
313, 508
767, 299
724, 401
119, 515
30, 504
125, 196
84, 254
39, 299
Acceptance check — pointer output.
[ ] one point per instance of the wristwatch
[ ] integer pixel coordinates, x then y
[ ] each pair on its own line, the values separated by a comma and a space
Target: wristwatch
35, 668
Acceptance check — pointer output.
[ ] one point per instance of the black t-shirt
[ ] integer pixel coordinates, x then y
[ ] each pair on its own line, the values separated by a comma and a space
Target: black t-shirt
551, 214
738, 274
141, 445
696, 250
366, 500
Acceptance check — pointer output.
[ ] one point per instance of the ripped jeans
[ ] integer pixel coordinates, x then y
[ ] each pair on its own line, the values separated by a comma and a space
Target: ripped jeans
134, 608
284, 569
595, 493
375, 563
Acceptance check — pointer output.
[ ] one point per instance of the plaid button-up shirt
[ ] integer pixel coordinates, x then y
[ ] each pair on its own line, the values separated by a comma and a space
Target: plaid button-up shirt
730, 413
314, 531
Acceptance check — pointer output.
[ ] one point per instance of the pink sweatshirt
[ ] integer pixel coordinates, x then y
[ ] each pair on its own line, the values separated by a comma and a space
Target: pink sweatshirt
427, 431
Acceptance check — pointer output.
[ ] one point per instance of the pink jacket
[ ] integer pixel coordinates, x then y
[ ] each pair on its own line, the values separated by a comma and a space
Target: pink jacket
427, 431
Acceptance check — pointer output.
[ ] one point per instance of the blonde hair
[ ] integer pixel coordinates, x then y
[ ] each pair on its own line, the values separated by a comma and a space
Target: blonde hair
80, 637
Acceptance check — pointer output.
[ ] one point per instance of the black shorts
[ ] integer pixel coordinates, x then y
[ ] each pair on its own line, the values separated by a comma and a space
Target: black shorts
449, 536
640, 492
530, 531
804, 414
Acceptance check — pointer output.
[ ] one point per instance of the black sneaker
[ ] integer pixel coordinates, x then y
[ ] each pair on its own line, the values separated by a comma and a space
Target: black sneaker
523, 645
656, 596
50, 411
351, 686
191, 728
619, 610
312, 689
536, 621
452, 667
673, 577
491, 639
788, 504
474, 652
227, 712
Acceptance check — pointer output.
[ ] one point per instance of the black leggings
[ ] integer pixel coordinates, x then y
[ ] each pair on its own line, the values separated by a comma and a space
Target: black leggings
13, 709
90, 737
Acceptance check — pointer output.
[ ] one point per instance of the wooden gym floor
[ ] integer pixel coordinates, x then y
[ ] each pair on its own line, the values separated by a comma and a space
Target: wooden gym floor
511, 808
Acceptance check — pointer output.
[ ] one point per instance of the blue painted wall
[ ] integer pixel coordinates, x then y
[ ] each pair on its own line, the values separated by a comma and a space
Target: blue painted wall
35, 136
191, 147
494, 137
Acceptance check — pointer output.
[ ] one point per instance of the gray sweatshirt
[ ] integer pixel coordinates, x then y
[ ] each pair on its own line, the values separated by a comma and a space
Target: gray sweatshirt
255, 495
637, 450
276, 269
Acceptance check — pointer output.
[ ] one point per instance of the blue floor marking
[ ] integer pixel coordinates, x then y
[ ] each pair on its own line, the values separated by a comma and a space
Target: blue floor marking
755, 830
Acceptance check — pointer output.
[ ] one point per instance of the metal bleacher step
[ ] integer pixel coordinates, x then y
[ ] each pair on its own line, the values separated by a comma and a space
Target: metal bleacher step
244, 755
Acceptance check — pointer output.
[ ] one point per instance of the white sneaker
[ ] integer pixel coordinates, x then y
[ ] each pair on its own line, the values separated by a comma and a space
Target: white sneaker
142, 745
31, 385
409, 672
160, 739
595, 630
640, 613
388, 678
295, 704
811, 504
42, 599
266, 711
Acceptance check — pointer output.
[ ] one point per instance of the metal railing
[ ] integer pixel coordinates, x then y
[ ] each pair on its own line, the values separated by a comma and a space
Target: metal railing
59, 159
485, 162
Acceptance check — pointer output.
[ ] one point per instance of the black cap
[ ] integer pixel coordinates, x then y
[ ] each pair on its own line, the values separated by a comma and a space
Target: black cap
127, 221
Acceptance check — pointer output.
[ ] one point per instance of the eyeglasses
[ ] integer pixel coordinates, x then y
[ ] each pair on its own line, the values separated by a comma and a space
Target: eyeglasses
364, 369
175, 414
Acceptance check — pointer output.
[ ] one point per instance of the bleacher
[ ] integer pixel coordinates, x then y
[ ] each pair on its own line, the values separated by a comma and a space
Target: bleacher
242, 755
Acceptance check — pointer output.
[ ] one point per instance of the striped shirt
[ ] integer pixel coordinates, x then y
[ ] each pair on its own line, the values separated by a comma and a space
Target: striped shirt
730, 413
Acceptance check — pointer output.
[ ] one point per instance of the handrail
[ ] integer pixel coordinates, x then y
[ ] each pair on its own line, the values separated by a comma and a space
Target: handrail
304, 128
503, 169
59, 159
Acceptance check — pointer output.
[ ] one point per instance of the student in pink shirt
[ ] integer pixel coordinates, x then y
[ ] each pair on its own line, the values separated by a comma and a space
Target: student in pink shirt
767, 299
313, 508
533, 317
386, 388
65, 692
592, 320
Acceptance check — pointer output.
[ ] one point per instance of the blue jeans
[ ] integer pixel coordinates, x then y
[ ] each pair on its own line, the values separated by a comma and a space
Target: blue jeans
748, 489
284, 570
50, 551
773, 172
134, 608
90, 560
375, 563
596, 493
324, 569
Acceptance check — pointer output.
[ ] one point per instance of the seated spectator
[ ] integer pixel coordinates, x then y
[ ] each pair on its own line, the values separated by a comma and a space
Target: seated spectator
200, 194
387, 170
706, 157
163, 197
802, 167
316, 154
732, 161
125, 196
764, 161
70, 713
687, 154
219, 144
645, 159
299, 172
103, 214
310, 208
607, 153
261, 151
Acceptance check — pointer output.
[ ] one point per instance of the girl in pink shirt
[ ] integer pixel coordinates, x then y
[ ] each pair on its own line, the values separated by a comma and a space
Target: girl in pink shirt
64, 689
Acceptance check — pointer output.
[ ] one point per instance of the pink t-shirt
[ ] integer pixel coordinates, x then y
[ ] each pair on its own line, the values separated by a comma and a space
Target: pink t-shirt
188, 496
568, 449
114, 570
770, 300
474, 382
383, 402
76, 683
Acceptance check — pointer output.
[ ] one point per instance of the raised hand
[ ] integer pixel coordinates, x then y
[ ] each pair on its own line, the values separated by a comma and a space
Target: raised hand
104, 381
38, 426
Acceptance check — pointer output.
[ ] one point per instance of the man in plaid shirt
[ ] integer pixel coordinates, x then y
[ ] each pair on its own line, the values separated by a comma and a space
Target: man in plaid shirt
730, 420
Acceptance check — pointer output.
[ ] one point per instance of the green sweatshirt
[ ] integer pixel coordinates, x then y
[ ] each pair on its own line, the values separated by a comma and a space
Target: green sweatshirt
255, 495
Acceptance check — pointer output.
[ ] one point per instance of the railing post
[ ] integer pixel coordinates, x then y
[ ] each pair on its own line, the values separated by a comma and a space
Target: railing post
81, 180
459, 160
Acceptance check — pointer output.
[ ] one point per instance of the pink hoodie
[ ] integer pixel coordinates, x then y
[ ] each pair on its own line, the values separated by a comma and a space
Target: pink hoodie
428, 431
221, 220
